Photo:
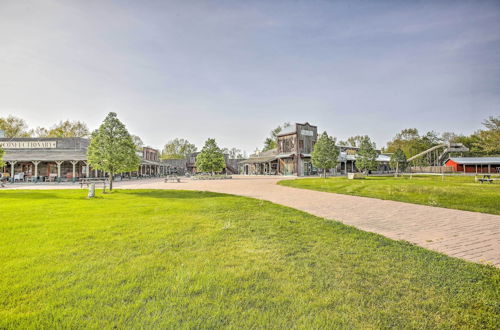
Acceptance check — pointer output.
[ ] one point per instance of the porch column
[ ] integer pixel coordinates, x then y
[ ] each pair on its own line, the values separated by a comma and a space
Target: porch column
58, 163
12, 164
36, 162
74, 162
476, 168
87, 169
489, 168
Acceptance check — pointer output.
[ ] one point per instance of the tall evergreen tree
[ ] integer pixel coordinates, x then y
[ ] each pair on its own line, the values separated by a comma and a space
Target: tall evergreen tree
398, 161
367, 155
325, 153
112, 149
210, 159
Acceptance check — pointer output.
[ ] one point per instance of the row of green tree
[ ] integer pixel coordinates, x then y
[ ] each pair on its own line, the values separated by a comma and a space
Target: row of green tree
180, 148
407, 143
17, 127
483, 142
326, 153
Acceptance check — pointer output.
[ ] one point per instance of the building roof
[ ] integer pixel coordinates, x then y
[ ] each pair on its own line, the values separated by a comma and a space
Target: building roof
288, 130
149, 162
262, 157
343, 156
476, 160
44, 155
257, 160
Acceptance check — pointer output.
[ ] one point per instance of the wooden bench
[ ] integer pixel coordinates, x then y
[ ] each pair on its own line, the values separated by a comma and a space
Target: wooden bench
172, 178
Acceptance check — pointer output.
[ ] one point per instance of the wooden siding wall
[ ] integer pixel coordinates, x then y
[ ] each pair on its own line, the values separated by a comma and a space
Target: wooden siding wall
286, 144
308, 141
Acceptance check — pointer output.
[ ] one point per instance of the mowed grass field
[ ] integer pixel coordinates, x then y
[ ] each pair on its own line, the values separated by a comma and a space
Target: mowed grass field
179, 259
454, 192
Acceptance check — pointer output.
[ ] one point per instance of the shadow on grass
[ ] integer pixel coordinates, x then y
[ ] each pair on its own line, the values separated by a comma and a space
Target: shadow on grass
173, 194
36, 194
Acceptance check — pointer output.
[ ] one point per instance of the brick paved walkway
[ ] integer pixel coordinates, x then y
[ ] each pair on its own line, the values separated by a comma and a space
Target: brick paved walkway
468, 235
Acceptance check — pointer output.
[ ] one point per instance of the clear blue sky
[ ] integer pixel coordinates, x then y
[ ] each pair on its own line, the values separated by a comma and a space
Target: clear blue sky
233, 70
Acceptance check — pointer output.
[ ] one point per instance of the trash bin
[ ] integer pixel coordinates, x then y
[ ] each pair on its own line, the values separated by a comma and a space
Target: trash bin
91, 190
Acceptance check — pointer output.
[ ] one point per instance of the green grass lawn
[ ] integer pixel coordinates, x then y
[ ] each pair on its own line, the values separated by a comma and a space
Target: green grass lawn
179, 259
454, 192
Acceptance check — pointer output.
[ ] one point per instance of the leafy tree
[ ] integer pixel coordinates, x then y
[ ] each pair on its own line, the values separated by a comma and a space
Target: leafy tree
271, 142
353, 141
411, 143
487, 141
367, 155
14, 127
178, 149
233, 153
112, 149
398, 161
65, 129
138, 142
325, 153
449, 137
210, 159
492, 123
41, 132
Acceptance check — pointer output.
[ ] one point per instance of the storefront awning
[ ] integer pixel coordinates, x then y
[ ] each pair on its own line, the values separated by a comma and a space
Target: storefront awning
258, 160
44, 156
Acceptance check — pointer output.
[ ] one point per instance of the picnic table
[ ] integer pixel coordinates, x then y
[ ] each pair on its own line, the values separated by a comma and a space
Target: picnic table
88, 181
172, 178
486, 178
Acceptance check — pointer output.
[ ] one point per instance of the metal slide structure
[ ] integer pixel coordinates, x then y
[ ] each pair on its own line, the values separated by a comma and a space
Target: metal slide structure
437, 155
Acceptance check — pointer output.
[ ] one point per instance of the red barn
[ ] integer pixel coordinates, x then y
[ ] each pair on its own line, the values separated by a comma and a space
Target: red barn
475, 164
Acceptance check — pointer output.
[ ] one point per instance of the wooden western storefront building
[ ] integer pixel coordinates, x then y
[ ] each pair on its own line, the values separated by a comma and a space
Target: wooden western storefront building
150, 163
291, 157
62, 159
45, 159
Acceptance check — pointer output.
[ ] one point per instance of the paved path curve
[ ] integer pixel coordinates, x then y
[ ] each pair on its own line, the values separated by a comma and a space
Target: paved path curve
471, 236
